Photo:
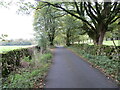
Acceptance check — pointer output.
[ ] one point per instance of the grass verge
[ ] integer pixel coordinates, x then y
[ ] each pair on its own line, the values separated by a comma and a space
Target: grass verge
31, 74
108, 66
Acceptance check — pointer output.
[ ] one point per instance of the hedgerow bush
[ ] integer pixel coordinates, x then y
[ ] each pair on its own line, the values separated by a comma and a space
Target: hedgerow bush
11, 60
103, 50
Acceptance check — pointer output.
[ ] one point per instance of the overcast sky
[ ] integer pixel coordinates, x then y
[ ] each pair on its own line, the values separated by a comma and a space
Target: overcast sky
16, 26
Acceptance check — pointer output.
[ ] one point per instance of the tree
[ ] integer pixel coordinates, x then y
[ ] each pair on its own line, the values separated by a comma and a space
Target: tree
114, 32
97, 16
40, 34
45, 20
70, 27
42, 41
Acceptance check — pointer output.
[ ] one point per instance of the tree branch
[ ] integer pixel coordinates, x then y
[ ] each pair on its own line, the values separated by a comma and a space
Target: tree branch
97, 9
54, 5
114, 20
112, 17
60, 15
78, 11
89, 7
40, 7
89, 14
81, 9
93, 9
114, 12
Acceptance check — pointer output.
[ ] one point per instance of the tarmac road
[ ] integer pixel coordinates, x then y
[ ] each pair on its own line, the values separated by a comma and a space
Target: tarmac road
70, 71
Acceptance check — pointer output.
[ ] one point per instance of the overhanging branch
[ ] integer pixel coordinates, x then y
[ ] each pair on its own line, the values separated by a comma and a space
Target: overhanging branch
57, 6
114, 20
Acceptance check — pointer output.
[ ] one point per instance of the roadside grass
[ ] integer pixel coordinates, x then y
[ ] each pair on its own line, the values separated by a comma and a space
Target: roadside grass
32, 74
106, 65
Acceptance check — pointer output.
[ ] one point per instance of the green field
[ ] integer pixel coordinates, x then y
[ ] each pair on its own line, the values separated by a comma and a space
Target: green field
117, 42
9, 48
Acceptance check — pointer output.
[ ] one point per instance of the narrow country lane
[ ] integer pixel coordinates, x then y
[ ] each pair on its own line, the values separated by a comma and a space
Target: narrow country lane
69, 71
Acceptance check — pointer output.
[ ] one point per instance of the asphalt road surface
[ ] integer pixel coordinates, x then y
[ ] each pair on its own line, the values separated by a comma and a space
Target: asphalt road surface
70, 71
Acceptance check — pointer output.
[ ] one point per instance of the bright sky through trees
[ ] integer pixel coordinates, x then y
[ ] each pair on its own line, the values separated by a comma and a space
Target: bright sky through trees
16, 26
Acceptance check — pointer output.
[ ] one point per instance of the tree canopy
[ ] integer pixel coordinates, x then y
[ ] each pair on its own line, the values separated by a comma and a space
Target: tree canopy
93, 18
97, 16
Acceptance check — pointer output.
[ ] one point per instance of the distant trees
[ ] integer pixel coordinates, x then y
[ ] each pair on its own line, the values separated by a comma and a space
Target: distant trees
70, 28
15, 42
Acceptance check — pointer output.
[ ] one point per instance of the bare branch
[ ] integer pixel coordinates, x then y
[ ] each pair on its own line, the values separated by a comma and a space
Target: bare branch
97, 9
87, 11
89, 7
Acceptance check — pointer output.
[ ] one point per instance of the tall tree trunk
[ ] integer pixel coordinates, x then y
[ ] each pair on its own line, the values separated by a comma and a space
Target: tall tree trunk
67, 41
51, 38
51, 41
68, 37
101, 37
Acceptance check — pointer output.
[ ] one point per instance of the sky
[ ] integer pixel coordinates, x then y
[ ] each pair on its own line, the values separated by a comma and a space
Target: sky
14, 25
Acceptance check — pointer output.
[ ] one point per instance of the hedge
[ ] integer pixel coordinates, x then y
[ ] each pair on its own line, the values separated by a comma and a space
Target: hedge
104, 50
11, 59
